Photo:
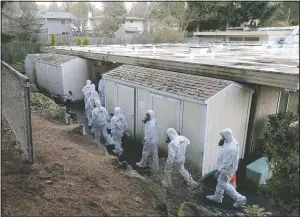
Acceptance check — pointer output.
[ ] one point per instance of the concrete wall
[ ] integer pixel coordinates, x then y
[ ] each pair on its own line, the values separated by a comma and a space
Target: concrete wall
227, 109
75, 74
100, 67
293, 103
265, 101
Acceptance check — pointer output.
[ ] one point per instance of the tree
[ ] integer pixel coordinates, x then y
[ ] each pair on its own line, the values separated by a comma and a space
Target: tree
80, 10
221, 15
20, 20
53, 40
177, 12
113, 16
53, 7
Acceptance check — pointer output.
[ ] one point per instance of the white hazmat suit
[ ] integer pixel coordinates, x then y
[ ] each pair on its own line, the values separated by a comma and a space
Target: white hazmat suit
176, 158
119, 126
101, 89
150, 153
100, 121
90, 105
227, 164
86, 90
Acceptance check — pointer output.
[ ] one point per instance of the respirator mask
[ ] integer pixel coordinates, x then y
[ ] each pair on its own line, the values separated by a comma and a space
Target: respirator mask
222, 141
168, 139
147, 118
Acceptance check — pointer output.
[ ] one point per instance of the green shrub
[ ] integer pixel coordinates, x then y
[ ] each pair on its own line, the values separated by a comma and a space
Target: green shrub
86, 41
281, 145
79, 42
19, 66
255, 211
53, 40
17, 51
45, 105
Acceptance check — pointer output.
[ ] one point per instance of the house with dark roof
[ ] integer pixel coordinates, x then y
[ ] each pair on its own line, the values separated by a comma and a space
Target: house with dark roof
57, 22
197, 107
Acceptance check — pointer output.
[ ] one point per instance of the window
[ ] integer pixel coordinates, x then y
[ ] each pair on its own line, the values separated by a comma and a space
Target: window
63, 22
131, 21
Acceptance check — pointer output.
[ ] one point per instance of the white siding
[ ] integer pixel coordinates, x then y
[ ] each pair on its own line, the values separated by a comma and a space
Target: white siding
75, 74
49, 77
135, 23
167, 115
143, 104
227, 109
193, 127
55, 26
110, 91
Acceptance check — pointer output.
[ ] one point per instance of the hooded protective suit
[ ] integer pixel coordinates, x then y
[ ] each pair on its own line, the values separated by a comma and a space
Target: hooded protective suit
119, 126
101, 120
150, 153
86, 89
176, 158
101, 89
227, 164
90, 105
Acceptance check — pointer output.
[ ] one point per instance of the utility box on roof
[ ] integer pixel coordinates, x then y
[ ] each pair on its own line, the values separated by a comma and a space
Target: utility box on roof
197, 107
58, 74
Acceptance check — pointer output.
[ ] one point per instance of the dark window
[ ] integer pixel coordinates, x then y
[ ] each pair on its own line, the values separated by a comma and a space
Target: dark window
63, 22
131, 21
63, 33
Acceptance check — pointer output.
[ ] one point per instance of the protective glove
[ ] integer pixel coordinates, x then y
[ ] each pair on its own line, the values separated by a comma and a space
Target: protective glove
143, 142
217, 174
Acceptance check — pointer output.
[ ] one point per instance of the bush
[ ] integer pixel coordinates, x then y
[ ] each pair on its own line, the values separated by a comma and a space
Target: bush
167, 35
19, 66
281, 145
53, 40
79, 42
255, 211
17, 51
86, 41
47, 106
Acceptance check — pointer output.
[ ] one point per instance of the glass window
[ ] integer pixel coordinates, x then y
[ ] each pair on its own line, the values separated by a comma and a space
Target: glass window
131, 21
63, 22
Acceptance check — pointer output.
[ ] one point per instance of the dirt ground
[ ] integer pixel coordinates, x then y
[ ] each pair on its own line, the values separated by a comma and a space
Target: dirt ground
70, 177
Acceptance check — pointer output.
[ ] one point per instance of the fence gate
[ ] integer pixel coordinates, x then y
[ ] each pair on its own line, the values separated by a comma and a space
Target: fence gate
16, 107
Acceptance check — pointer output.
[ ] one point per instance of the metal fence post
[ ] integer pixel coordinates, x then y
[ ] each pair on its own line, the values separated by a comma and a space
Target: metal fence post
28, 118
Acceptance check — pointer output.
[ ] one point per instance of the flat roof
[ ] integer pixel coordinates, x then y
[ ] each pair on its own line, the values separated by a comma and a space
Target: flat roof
272, 65
197, 87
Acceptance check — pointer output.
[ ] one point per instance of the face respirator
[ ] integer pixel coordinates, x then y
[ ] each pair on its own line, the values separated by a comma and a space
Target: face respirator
221, 142
168, 139
146, 119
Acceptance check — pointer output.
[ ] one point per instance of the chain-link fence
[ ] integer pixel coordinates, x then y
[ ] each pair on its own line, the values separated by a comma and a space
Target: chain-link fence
16, 107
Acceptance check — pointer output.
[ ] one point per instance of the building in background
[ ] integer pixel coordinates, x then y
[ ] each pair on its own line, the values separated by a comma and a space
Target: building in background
241, 34
57, 22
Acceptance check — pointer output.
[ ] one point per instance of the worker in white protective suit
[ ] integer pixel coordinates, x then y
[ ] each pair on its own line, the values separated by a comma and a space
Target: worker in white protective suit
100, 120
176, 158
90, 105
150, 142
119, 127
101, 90
227, 163
86, 89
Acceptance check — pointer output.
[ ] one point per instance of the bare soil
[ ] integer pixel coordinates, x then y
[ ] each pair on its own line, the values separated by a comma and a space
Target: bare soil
70, 177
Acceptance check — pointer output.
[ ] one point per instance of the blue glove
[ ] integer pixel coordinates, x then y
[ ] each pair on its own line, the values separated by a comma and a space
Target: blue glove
217, 175
143, 142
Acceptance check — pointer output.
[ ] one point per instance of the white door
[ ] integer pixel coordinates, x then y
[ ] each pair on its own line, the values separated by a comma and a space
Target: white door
125, 100
167, 114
